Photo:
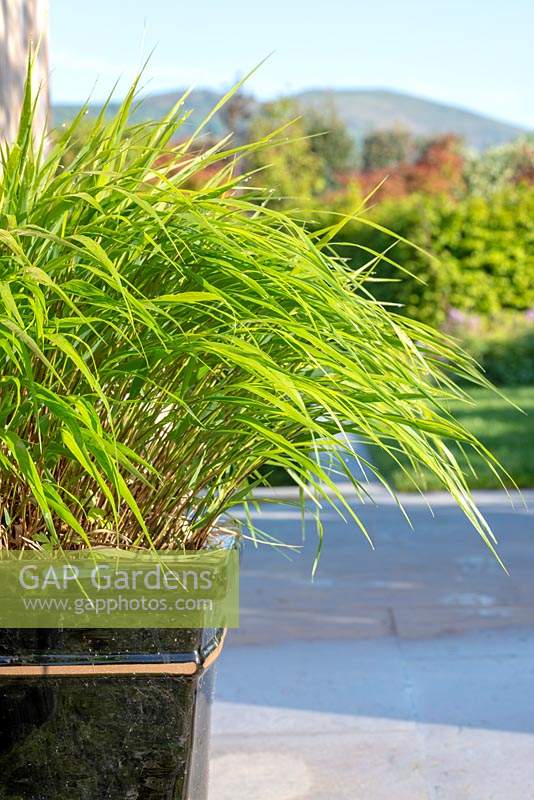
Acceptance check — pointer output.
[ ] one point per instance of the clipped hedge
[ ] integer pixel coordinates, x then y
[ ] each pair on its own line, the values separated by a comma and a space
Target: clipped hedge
482, 253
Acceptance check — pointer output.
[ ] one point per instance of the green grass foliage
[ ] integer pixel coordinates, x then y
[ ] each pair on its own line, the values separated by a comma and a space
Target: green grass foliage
161, 345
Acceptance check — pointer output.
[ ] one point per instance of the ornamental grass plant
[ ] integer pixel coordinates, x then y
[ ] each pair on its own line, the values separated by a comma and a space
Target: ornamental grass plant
163, 347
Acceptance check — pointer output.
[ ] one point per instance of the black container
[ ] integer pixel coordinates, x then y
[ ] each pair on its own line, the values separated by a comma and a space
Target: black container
105, 714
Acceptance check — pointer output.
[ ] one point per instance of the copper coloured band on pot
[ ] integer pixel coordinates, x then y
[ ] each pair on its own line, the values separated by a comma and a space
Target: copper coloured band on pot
91, 670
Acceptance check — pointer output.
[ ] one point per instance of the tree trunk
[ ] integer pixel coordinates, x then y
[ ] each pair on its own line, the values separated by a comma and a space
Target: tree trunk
23, 24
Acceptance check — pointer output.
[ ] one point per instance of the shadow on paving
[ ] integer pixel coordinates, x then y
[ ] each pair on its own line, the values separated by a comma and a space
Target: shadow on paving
478, 681
427, 627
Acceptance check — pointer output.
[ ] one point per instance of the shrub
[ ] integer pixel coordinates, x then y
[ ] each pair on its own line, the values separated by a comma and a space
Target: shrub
481, 253
407, 279
491, 171
437, 169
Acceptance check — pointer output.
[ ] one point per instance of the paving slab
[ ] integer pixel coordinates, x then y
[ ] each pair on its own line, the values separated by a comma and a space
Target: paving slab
331, 683
448, 718
404, 672
476, 764
382, 766
416, 622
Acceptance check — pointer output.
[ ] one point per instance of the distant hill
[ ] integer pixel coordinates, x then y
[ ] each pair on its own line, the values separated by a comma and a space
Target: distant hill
154, 106
363, 110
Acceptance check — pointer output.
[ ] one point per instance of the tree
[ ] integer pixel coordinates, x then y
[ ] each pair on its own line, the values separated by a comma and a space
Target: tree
387, 148
331, 142
237, 114
23, 25
491, 171
438, 169
289, 165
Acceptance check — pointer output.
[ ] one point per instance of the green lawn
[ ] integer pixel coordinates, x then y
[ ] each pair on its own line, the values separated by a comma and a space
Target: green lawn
506, 432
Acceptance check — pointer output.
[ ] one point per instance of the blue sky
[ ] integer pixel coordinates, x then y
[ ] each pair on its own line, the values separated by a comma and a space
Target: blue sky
474, 54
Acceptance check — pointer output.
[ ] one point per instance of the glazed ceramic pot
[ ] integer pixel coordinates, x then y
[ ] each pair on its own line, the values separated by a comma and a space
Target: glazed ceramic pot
105, 714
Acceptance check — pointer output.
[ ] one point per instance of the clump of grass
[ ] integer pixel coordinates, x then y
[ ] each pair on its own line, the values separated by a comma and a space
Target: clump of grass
160, 345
